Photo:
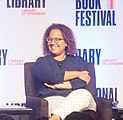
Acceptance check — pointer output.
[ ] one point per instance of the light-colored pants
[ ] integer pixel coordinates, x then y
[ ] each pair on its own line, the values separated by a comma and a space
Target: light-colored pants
78, 100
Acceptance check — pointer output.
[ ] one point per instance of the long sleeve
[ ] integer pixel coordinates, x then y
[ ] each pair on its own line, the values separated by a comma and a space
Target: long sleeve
76, 64
77, 83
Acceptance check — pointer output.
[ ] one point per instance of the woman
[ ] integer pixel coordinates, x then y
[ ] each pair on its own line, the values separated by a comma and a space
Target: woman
62, 75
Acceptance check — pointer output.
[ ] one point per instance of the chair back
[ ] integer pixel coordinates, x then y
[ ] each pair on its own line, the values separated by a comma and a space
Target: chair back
92, 85
31, 84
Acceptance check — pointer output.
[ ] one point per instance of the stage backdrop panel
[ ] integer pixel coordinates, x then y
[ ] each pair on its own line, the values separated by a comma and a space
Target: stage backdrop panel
97, 25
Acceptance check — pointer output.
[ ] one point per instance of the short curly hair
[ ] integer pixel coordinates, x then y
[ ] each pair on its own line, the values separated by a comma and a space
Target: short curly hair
67, 35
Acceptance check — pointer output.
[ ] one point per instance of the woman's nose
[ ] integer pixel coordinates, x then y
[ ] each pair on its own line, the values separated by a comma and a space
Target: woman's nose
53, 41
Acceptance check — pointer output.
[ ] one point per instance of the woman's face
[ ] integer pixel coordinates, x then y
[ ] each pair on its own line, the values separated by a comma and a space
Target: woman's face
56, 42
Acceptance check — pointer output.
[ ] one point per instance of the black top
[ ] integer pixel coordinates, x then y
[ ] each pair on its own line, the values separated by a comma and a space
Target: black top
48, 70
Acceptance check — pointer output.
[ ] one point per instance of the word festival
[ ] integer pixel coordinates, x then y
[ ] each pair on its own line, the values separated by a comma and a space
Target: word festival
90, 13
25, 3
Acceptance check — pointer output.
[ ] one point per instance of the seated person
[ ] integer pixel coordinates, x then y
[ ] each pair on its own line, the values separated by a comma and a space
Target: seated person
62, 76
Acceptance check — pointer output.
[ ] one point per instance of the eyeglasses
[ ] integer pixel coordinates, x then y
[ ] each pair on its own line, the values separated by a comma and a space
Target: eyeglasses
56, 39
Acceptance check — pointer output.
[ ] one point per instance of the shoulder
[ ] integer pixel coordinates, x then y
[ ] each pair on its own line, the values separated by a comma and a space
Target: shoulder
42, 59
76, 58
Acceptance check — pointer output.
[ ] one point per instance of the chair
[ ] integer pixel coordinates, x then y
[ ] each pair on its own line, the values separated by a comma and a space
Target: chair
40, 106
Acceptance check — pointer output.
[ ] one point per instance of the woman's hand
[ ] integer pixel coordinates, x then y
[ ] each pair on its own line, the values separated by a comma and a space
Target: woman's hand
84, 75
64, 85
55, 86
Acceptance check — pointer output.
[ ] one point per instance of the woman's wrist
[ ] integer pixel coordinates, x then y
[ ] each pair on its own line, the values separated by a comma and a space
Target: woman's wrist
64, 85
60, 85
